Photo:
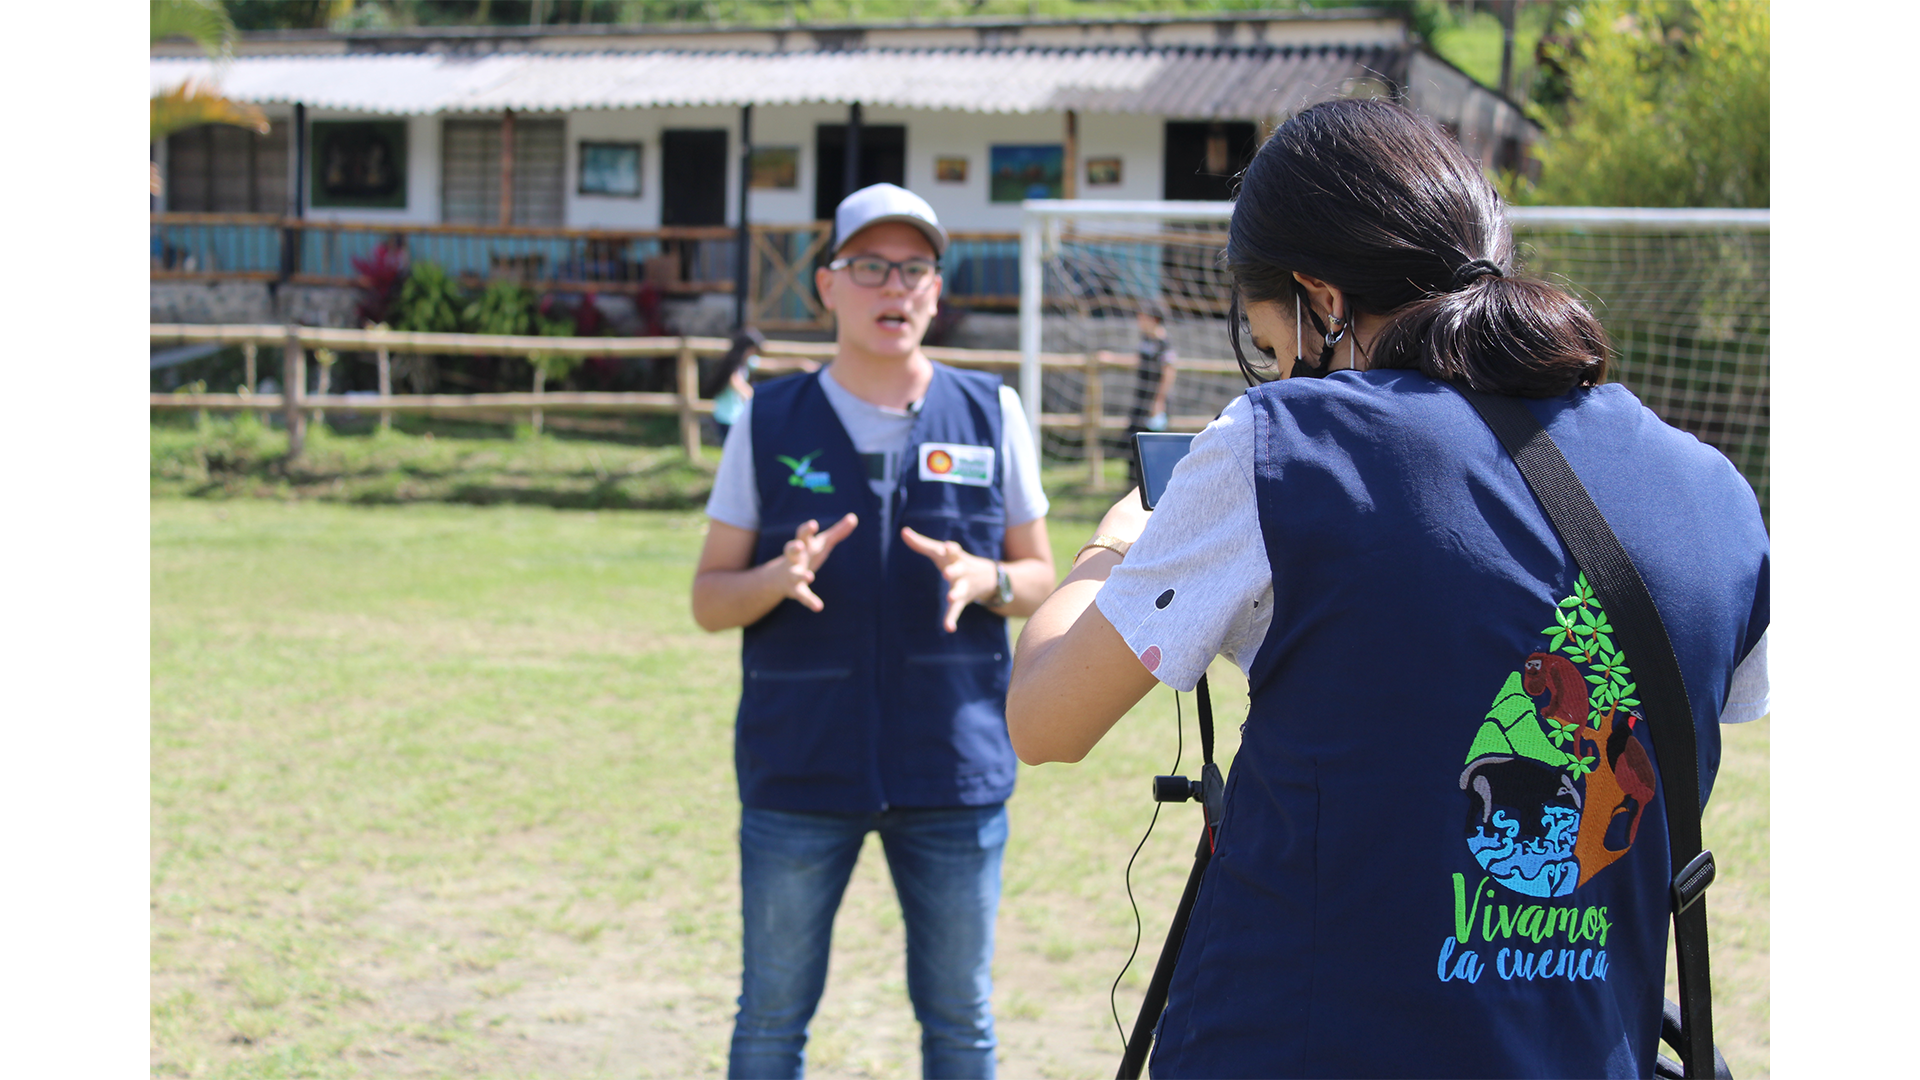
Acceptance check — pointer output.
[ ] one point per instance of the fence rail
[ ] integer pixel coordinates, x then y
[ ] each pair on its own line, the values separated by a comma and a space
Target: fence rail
684, 402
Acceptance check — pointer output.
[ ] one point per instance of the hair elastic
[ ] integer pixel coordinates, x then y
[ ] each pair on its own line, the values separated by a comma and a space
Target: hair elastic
1474, 271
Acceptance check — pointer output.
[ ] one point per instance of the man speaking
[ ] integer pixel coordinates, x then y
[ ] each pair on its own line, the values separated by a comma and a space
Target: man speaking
873, 524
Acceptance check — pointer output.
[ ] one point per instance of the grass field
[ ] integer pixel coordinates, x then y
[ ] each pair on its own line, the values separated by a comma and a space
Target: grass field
447, 790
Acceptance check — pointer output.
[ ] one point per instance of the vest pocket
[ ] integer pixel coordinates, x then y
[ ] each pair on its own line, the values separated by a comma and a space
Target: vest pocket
956, 658
802, 740
807, 675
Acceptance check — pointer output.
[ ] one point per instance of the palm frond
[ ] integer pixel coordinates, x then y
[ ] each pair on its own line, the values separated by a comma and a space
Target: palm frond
193, 103
203, 21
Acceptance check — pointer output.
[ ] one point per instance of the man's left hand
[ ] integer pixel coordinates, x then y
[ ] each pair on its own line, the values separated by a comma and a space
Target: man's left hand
969, 577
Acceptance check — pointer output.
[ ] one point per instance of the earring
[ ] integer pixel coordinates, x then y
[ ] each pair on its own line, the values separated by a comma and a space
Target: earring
1339, 330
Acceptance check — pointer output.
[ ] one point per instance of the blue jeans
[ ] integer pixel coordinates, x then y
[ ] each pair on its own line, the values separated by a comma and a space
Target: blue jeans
793, 870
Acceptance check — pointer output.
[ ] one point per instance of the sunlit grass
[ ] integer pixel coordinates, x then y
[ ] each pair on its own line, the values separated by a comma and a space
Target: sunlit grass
448, 790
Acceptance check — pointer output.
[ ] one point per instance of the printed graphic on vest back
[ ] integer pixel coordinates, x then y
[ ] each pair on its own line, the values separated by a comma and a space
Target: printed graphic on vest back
1557, 781
1557, 788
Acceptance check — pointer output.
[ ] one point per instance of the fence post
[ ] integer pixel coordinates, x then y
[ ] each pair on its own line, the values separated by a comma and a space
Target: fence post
383, 369
251, 352
293, 377
1094, 444
688, 370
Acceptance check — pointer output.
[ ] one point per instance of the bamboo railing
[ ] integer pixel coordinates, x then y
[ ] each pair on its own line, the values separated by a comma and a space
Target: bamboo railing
684, 401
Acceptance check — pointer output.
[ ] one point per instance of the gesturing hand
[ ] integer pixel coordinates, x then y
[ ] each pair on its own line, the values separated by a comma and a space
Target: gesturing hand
969, 577
804, 554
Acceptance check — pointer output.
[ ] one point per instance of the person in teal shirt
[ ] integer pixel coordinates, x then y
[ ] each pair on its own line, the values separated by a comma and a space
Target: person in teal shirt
728, 385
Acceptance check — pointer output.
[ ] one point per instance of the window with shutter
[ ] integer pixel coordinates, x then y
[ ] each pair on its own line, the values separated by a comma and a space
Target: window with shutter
221, 169
470, 172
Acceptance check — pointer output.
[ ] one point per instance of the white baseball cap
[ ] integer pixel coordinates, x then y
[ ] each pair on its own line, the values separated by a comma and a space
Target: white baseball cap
886, 202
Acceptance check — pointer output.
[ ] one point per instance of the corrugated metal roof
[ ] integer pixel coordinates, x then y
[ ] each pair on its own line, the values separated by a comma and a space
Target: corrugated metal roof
1224, 83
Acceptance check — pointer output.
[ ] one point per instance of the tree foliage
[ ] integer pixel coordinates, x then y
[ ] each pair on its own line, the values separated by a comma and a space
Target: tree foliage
195, 102
204, 22
378, 14
1665, 104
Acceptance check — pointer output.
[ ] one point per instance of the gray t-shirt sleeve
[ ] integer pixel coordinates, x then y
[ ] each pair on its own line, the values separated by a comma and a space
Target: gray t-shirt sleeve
1197, 584
1752, 695
1019, 462
736, 498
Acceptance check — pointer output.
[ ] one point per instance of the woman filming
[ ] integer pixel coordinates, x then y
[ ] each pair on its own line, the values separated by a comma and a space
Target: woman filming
1443, 852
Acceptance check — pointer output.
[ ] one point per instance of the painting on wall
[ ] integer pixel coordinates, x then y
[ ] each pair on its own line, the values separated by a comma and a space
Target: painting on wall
775, 167
610, 168
1025, 172
1103, 171
950, 170
360, 163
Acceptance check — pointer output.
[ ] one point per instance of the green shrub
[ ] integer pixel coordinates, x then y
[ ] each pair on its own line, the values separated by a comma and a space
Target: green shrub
430, 301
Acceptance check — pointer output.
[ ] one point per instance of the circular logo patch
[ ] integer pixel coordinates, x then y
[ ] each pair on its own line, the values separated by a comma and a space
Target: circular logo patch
940, 461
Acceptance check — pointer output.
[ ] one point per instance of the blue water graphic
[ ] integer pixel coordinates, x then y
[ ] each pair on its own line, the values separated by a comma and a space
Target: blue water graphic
1535, 866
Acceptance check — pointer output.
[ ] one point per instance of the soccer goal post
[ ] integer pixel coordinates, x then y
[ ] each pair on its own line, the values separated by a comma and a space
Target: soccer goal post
1683, 295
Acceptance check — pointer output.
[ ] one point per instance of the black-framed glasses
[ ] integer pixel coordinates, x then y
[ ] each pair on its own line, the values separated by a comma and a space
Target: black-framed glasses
870, 271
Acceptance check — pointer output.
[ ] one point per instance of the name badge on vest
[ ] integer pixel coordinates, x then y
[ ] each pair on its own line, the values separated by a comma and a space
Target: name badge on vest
957, 463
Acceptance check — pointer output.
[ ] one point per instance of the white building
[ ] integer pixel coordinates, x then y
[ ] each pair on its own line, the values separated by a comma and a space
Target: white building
641, 132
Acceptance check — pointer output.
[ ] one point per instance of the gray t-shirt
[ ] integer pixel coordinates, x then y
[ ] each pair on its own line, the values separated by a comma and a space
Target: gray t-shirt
1205, 534
877, 429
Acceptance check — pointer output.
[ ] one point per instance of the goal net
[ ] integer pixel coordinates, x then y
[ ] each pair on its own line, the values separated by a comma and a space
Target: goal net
1683, 295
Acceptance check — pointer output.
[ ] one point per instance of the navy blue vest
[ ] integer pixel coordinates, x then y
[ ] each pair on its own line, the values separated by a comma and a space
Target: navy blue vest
1444, 852
870, 703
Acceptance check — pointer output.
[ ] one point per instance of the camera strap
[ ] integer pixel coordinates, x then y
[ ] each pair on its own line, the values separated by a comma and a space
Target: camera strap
1213, 790
1630, 608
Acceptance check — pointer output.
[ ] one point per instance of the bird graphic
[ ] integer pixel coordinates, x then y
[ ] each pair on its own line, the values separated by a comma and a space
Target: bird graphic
1619, 779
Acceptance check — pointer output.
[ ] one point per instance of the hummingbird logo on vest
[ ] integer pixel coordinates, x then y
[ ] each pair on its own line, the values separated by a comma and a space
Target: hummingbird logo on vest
805, 475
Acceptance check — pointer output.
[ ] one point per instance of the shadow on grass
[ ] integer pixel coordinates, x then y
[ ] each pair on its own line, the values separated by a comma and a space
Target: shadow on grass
241, 458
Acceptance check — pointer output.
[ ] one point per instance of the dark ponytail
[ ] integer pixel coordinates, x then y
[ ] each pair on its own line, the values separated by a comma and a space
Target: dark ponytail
1381, 204
746, 341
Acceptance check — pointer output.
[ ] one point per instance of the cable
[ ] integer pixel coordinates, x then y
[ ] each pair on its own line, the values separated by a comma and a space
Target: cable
1179, 749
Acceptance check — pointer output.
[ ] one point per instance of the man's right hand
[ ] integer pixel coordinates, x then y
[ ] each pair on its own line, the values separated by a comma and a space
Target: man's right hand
803, 555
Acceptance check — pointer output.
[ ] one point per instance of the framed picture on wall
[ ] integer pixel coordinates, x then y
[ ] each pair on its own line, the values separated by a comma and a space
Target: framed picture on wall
359, 163
776, 167
950, 170
1024, 172
610, 168
1103, 171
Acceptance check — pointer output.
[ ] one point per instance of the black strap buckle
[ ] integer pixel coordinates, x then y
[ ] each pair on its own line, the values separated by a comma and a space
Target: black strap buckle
1692, 881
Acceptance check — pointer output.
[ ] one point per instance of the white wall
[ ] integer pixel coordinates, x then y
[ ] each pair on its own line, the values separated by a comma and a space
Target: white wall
1136, 140
643, 126
794, 125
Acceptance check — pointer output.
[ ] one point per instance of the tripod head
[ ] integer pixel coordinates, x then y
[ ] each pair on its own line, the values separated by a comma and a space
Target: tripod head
1210, 791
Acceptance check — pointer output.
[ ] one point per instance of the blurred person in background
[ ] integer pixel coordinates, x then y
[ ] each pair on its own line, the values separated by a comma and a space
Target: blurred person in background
728, 384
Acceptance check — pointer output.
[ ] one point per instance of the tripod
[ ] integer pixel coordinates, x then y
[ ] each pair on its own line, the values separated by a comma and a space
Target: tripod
1210, 792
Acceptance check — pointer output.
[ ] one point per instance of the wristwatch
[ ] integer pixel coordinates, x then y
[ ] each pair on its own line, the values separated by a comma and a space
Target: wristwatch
1003, 593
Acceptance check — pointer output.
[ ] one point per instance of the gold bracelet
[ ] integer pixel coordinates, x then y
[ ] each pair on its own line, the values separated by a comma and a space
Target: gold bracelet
1103, 540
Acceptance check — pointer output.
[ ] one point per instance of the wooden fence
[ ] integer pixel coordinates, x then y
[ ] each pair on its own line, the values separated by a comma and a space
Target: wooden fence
684, 401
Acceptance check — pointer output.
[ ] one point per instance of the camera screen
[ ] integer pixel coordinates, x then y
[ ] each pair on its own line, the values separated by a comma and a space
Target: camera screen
1157, 453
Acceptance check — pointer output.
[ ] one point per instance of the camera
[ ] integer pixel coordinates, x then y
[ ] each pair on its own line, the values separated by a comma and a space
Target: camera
1156, 453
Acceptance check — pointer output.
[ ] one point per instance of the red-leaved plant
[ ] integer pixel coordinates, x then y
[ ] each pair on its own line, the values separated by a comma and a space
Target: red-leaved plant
381, 274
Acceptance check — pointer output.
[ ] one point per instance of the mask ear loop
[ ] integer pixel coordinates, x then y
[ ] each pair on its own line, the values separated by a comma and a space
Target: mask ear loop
1299, 353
